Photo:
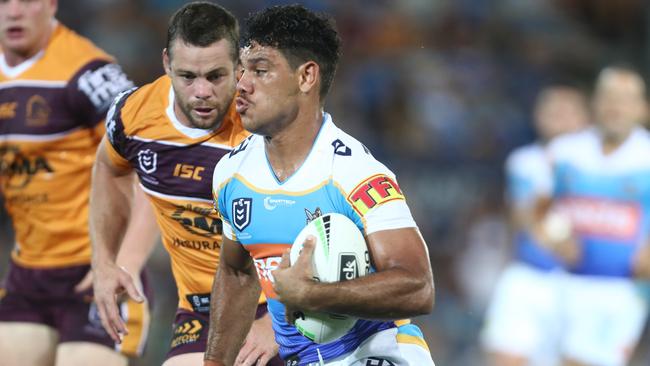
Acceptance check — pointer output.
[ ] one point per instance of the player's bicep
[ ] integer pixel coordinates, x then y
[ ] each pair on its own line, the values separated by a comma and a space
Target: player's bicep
109, 162
403, 249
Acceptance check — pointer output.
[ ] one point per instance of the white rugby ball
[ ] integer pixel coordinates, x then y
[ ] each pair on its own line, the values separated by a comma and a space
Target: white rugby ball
340, 254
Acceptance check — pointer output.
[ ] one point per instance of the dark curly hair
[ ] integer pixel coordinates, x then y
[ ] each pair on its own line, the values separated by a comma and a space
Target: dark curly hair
202, 23
300, 35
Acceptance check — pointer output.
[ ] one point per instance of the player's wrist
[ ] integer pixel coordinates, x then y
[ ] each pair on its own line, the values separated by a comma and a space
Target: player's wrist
213, 363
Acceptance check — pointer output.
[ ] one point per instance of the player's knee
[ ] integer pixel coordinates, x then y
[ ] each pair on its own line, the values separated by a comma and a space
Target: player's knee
85, 353
186, 359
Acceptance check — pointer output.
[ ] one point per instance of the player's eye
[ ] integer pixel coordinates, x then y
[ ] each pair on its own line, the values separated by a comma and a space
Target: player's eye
188, 77
213, 78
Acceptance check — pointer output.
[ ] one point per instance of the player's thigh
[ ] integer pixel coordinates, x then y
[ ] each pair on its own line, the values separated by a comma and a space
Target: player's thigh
604, 320
85, 353
27, 344
185, 359
523, 316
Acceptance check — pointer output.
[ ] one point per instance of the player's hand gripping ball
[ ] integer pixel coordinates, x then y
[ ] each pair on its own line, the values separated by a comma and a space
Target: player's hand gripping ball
340, 254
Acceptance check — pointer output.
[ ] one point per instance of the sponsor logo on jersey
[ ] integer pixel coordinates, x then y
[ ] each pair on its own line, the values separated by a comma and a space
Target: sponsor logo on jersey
198, 220
38, 111
200, 302
20, 169
340, 148
102, 85
8, 110
375, 361
609, 219
187, 332
241, 212
241, 147
265, 268
273, 203
313, 216
374, 191
188, 171
148, 160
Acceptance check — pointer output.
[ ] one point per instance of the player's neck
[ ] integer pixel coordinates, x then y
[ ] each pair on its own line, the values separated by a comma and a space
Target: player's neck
610, 143
288, 149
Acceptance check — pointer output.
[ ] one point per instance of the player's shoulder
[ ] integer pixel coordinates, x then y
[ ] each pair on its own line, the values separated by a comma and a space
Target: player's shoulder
69, 53
230, 164
568, 144
138, 106
352, 161
524, 156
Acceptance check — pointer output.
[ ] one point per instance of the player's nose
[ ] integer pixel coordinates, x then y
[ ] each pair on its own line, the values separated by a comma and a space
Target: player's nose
13, 9
244, 85
202, 88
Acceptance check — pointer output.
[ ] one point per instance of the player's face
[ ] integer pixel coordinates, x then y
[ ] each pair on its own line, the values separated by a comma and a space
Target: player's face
268, 90
619, 103
204, 82
560, 110
25, 25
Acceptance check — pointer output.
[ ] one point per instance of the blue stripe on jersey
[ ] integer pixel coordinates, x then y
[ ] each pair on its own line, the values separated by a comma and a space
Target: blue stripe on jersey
276, 218
521, 191
410, 329
603, 253
293, 343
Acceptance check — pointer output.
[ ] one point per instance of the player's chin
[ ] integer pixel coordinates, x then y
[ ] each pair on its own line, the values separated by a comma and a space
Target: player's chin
204, 122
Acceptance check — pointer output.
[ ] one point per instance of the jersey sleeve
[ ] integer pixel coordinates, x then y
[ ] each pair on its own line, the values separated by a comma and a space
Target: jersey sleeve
92, 90
115, 134
373, 198
528, 176
219, 189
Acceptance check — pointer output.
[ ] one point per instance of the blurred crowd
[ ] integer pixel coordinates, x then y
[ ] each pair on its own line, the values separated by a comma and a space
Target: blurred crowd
440, 90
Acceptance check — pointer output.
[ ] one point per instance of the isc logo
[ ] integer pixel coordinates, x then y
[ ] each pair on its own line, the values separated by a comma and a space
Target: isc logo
187, 171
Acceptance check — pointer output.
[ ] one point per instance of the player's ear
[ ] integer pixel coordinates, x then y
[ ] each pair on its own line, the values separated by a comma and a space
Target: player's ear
54, 5
308, 76
166, 62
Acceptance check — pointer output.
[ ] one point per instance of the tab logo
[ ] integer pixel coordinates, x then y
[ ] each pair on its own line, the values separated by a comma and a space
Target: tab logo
374, 191
241, 212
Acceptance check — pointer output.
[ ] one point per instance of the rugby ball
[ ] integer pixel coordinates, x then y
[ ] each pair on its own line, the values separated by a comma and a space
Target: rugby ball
340, 254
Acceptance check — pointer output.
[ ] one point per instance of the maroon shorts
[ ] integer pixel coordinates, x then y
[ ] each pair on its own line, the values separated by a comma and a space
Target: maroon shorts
47, 296
191, 333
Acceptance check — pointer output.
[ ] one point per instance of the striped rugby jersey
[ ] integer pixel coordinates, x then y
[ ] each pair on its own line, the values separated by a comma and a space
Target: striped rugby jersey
51, 109
265, 216
174, 164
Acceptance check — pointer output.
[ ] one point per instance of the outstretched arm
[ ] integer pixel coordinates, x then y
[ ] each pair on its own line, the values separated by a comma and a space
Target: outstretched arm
401, 287
235, 293
110, 207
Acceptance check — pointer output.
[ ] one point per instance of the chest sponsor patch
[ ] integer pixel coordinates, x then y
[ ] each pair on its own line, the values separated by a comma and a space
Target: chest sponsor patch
604, 218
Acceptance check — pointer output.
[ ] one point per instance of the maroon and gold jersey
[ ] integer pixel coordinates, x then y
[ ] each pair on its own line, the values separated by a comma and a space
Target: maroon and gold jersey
175, 164
51, 109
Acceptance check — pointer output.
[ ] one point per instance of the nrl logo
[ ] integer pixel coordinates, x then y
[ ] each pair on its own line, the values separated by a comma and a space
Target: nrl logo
148, 160
241, 211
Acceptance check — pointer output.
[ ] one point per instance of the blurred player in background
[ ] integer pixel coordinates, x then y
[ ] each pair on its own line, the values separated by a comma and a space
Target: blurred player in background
298, 165
522, 319
171, 133
55, 88
600, 189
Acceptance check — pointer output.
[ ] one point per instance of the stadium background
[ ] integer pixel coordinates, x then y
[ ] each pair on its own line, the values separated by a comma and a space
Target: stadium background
440, 90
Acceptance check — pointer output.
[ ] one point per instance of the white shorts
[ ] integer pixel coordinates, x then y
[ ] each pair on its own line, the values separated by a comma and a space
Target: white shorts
604, 319
523, 318
402, 346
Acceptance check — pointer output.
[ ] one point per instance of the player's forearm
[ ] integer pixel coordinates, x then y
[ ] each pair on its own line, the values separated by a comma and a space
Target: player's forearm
141, 235
390, 294
109, 212
232, 311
